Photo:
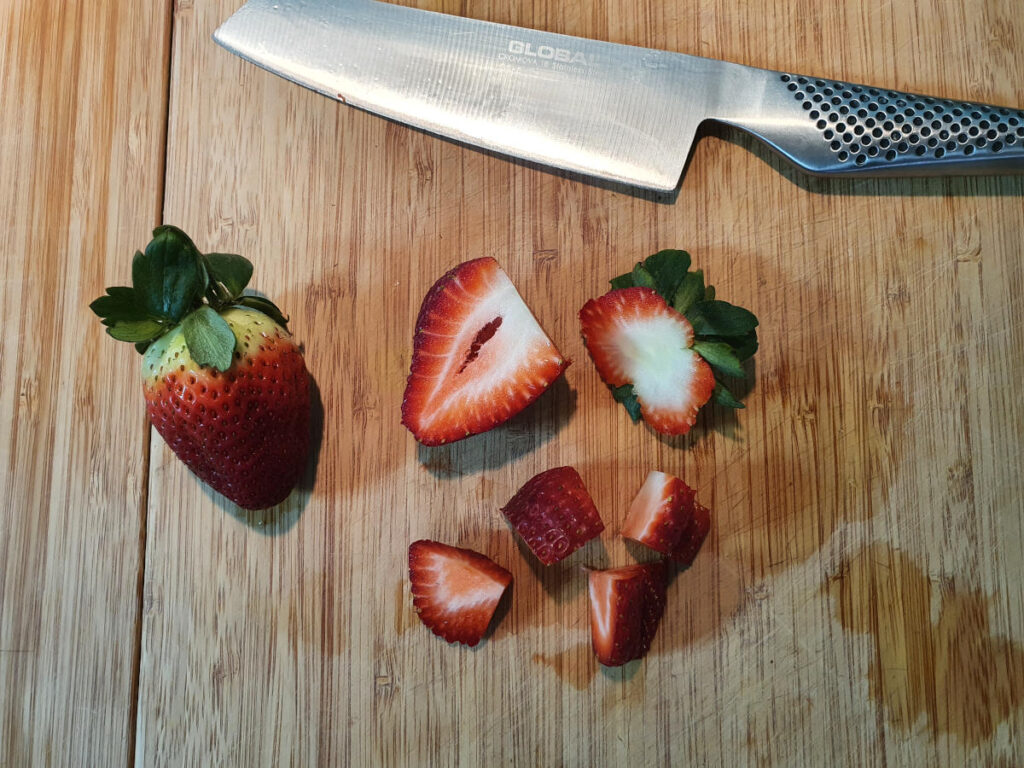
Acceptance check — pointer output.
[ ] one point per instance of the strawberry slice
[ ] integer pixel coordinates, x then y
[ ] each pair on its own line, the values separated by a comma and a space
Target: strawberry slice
455, 591
635, 337
479, 356
666, 517
554, 514
626, 605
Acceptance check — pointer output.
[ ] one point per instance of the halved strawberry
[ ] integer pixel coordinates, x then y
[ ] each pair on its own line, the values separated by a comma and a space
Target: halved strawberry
554, 514
626, 605
479, 356
666, 517
455, 591
636, 339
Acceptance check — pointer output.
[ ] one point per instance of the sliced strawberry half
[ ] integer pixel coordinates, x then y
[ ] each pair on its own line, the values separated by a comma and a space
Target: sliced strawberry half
666, 517
554, 514
455, 591
479, 356
634, 337
626, 605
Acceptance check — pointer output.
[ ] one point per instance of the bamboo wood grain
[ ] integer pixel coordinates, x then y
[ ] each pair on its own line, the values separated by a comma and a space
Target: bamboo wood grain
82, 116
859, 600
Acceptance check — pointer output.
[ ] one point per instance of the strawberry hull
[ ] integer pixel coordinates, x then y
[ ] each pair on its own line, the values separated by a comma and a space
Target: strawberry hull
244, 431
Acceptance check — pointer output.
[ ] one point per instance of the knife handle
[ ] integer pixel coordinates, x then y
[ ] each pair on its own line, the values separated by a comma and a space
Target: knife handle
829, 127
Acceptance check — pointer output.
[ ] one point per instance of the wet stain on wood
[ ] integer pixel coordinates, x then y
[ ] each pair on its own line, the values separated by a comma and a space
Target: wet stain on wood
952, 670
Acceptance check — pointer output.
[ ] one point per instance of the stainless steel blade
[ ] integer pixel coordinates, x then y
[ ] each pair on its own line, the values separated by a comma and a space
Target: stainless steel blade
617, 112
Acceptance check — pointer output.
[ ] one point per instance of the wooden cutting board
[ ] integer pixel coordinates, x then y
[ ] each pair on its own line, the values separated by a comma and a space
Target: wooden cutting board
859, 599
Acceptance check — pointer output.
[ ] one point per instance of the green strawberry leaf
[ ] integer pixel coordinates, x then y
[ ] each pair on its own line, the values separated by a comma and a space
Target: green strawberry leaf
720, 318
627, 397
136, 330
231, 271
743, 347
266, 306
642, 278
723, 396
690, 291
622, 281
668, 268
142, 346
721, 357
118, 304
709, 293
209, 338
169, 278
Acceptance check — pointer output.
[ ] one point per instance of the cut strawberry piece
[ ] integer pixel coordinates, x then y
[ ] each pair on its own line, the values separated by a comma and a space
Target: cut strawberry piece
626, 605
635, 338
554, 514
664, 516
455, 591
691, 541
479, 356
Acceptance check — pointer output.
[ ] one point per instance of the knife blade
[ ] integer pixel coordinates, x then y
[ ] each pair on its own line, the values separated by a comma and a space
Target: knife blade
616, 112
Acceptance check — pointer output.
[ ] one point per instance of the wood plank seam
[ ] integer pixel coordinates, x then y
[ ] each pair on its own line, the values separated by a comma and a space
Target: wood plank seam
140, 581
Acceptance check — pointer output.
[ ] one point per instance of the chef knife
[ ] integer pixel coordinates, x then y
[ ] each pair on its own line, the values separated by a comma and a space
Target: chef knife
611, 111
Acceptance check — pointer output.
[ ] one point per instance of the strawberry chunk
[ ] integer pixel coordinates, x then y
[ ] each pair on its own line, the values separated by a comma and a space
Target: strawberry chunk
455, 591
554, 514
635, 338
690, 542
666, 517
626, 605
479, 356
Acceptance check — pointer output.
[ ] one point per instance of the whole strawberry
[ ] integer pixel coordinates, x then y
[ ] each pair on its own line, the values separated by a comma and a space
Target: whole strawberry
225, 385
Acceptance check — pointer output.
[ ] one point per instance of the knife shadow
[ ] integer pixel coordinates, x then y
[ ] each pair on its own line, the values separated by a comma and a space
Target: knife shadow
897, 186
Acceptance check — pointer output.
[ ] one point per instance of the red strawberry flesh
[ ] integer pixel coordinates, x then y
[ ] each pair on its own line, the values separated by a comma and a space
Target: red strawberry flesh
455, 591
626, 605
690, 542
244, 431
634, 337
664, 517
479, 356
554, 514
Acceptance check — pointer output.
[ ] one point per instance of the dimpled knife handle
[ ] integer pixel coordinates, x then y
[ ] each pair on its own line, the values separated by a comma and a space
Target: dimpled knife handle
832, 127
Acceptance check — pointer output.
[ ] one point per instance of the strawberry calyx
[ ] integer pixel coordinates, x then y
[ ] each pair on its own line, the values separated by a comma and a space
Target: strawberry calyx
724, 335
174, 284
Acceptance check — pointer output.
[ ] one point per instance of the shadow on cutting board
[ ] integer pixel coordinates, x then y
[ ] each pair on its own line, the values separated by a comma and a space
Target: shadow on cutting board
539, 423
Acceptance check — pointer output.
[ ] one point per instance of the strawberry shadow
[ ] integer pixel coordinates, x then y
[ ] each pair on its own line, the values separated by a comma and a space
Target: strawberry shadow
537, 424
274, 521
565, 580
621, 674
